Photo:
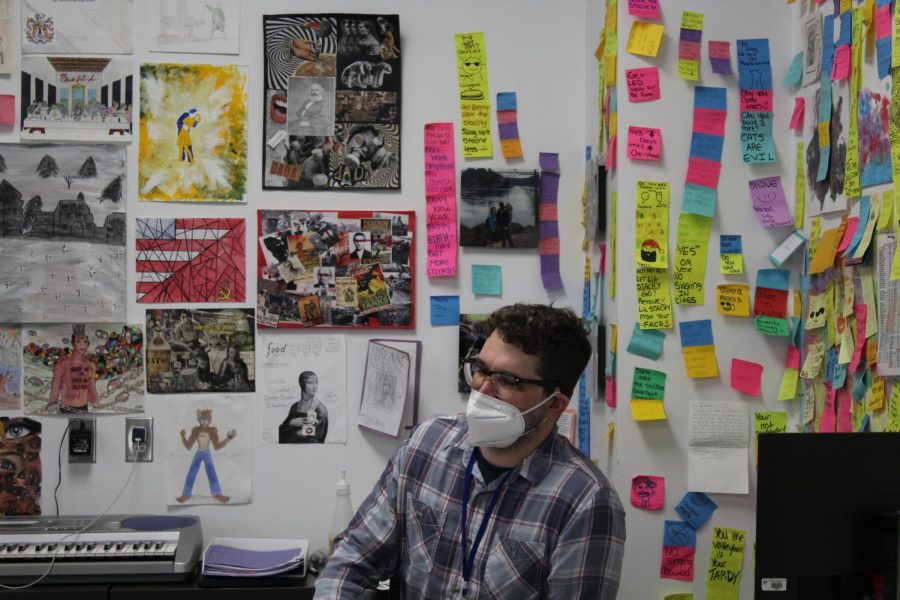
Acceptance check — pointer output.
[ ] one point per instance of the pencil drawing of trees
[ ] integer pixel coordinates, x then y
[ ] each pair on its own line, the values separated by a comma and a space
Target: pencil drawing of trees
113, 190
88, 169
47, 167
32, 208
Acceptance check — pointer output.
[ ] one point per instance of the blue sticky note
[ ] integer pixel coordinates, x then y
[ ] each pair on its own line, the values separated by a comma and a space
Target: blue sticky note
730, 244
864, 425
696, 508
859, 389
506, 101
845, 35
487, 280
883, 49
445, 310
710, 97
754, 68
706, 146
699, 200
865, 205
839, 375
646, 342
677, 534
827, 46
774, 279
696, 333
795, 71
830, 362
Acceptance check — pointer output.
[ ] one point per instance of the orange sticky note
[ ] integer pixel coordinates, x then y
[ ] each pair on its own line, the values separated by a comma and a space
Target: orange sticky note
746, 376
825, 252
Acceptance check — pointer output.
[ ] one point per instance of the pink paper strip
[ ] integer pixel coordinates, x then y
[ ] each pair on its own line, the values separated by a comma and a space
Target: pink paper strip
793, 358
703, 172
707, 120
840, 69
645, 9
860, 311
7, 109
797, 116
852, 224
828, 423
440, 200
845, 411
756, 100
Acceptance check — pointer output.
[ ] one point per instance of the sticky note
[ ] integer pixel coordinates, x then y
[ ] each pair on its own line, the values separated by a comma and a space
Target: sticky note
646, 342
795, 71
698, 349
726, 558
654, 298
733, 299
691, 248
679, 534
644, 38
797, 115
746, 376
645, 9
651, 227
445, 310
769, 203
731, 259
7, 109
696, 508
776, 279
696, 333
644, 143
487, 280
440, 200
648, 384
825, 252
474, 98
642, 84
787, 248
720, 57
682, 596
648, 492
677, 563
647, 410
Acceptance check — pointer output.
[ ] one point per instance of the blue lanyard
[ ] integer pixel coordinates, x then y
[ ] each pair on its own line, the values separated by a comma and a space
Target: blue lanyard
469, 560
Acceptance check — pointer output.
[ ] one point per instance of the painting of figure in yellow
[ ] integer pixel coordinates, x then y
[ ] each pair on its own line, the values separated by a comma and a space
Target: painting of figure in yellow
193, 133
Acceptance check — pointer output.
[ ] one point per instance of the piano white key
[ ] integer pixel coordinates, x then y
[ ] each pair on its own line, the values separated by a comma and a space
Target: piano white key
169, 549
29, 553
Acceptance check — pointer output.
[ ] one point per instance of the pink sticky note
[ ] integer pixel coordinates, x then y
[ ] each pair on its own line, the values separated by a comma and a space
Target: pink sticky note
756, 100
611, 153
840, 69
883, 21
440, 200
7, 109
859, 310
643, 84
746, 376
548, 246
708, 120
845, 412
720, 49
644, 143
645, 9
852, 224
793, 358
689, 51
611, 392
769, 203
797, 116
648, 492
703, 172
677, 563
828, 422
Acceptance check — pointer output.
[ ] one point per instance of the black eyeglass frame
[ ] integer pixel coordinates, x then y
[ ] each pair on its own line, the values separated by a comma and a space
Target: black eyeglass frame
489, 374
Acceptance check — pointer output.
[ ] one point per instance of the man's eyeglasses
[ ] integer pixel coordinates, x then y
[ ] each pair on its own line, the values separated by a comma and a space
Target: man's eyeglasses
504, 383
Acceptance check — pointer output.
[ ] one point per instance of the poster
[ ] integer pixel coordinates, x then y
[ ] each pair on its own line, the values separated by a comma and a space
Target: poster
190, 260
83, 27
208, 449
356, 59
498, 209
193, 143
187, 26
63, 234
76, 99
7, 58
72, 369
336, 269
10, 368
208, 350
20, 490
305, 389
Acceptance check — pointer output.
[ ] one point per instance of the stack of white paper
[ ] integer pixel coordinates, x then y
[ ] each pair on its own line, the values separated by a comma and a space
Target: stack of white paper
243, 557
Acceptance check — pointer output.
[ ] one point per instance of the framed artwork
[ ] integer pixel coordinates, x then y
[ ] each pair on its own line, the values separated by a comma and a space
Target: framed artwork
498, 209
63, 233
332, 90
336, 269
74, 98
193, 144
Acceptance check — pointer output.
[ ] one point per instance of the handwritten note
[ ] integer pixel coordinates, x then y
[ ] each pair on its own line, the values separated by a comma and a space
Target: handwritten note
698, 348
644, 9
696, 508
648, 388
644, 143
731, 255
444, 310
642, 84
508, 125
726, 558
769, 203
733, 299
487, 280
648, 492
651, 226
646, 342
689, 44
474, 99
718, 450
440, 200
644, 38
746, 376
755, 80
679, 547
720, 57
691, 247
654, 298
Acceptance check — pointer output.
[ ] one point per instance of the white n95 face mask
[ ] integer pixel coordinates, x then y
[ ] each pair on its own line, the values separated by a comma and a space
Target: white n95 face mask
494, 423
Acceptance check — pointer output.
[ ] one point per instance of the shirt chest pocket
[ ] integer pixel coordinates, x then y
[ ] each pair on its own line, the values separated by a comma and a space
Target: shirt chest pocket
515, 569
424, 525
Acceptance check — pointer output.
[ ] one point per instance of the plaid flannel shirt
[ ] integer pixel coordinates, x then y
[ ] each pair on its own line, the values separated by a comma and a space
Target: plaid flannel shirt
557, 532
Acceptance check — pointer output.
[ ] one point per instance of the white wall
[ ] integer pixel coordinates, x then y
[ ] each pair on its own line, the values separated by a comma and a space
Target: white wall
534, 48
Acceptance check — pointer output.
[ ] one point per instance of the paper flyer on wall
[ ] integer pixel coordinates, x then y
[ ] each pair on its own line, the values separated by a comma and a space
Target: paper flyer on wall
888, 308
390, 392
304, 389
718, 451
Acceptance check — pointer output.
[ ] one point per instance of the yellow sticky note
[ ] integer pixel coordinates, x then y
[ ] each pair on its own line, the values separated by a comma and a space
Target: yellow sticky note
787, 389
648, 410
654, 298
726, 559
700, 361
799, 189
814, 233
846, 335
644, 38
688, 596
886, 215
876, 393
812, 365
824, 133
731, 264
691, 20
511, 148
895, 46
867, 283
825, 251
816, 312
691, 248
845, 6
613, 238
474, 98
614, 337
612, 42
689, 70
733, 299
852, 187
893, 420
651, 224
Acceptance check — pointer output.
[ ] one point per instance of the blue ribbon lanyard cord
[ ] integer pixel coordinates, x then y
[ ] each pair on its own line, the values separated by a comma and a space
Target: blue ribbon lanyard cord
469, 560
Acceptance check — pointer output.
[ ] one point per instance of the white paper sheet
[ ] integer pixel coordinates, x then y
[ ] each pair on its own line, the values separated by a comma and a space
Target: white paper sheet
718, 453
888, 308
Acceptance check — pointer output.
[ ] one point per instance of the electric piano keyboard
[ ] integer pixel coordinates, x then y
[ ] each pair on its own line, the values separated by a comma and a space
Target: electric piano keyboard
115, 548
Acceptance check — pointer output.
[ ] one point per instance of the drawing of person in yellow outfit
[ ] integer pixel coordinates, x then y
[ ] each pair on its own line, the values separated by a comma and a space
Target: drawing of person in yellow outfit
186, 122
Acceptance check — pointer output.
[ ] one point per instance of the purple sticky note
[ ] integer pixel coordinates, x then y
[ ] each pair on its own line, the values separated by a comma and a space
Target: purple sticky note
769, 204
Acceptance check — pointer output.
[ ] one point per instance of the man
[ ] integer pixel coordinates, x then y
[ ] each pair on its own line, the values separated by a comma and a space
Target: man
233, 373
299, 427
359, 252
314, 116
552, 525
73, 387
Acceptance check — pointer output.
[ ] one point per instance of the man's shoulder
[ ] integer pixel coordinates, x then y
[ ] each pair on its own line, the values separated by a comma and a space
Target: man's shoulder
436, 431
581, 475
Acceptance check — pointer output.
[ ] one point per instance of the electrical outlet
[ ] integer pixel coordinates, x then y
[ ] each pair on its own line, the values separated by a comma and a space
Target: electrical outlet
138, 439
83, 440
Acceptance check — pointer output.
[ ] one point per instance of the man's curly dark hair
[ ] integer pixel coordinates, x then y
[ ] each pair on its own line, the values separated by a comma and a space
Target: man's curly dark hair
555, 335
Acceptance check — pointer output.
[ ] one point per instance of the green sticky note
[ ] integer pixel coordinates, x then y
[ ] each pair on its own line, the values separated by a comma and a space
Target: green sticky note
646, 342
770, 421
726, 558
773, 326
487, 280
648, 384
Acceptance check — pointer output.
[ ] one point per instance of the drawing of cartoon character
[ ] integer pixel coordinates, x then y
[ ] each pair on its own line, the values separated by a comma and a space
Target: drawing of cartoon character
205, 436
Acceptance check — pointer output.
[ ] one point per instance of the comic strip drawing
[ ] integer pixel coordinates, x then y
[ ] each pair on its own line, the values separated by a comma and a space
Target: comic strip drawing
62, 231
83, 368
20, 453
193, 133
83, 27
185, 26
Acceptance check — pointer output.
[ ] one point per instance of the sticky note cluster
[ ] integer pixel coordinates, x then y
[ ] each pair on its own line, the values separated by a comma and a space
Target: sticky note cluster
771, 302
508, 125
679, 548
548, 246
755, 81
720, 57
648, 388
705, 159
689, 44
698, 348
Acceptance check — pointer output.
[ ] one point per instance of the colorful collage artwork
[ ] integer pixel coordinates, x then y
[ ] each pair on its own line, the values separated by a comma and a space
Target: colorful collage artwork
332, 89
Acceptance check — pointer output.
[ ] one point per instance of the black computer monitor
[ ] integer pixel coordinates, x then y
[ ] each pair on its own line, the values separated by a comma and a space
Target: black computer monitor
826, 516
